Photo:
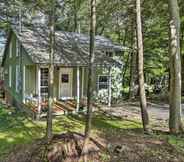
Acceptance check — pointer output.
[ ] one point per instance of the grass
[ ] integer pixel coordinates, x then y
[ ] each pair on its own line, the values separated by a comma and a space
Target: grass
16, 128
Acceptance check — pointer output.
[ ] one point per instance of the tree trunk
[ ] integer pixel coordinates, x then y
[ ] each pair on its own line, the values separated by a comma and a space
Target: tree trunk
175, 68
182, 58
51, 70
143, 103
133, 76
90, 76
91, 62
133, 63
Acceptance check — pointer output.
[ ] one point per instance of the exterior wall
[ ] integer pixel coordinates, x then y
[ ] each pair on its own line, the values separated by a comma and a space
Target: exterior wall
56, 82
22, 60
30, 80
98, 71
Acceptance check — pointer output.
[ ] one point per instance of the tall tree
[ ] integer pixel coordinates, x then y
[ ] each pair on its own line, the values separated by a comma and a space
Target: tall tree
175, 123
90, 75
90, 70
51, 67
143, 104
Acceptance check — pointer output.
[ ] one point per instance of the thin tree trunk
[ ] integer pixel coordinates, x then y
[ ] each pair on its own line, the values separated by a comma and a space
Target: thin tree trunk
90, 77
133, 76
51, 70
175, 68
143, 104
133, 63
91, 62
128, 57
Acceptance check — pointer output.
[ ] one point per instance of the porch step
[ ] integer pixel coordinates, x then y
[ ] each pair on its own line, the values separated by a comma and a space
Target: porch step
72, 103
65, 106
57, 108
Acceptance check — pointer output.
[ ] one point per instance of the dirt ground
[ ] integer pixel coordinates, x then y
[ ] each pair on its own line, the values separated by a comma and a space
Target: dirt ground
158, 113
130, 146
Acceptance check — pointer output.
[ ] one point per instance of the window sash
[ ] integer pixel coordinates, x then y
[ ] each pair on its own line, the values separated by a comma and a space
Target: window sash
103, 84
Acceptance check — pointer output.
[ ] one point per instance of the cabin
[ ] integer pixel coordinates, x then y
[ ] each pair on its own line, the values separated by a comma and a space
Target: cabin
26, 69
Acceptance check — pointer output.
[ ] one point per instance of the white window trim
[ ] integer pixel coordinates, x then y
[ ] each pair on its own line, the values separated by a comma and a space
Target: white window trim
10, 76
17, 48
10, 50
104, 82
17, 77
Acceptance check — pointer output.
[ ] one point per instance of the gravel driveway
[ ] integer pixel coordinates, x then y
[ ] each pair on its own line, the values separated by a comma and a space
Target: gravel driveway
159, 113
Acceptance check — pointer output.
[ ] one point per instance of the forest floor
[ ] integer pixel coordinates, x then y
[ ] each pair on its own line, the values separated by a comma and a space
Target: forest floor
118, 129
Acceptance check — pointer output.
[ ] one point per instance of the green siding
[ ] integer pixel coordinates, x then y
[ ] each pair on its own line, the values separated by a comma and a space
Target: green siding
22, 59
56, 82
30, 80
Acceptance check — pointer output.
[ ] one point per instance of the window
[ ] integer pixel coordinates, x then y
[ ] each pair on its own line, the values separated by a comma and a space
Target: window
44, 82
17, 78
10, 76
103, 82
65, 78
10, 50
17, 48
109, 54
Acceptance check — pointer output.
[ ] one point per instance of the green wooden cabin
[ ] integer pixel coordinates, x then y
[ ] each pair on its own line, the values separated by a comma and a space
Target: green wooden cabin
26, 61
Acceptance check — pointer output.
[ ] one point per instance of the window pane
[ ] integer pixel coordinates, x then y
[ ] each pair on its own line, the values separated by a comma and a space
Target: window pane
103, 82
44, 89
44, 82
65, 78
103, 86
103, 78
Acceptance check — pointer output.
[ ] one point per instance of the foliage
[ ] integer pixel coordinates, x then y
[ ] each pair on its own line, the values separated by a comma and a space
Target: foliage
114, 19
102, 96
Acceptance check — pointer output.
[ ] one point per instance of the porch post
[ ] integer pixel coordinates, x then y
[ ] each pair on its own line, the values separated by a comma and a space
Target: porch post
78, 88
109, 89
39, 91
82, 88
24, 83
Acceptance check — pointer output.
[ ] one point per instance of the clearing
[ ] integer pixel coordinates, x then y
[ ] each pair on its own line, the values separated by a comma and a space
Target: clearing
118, 129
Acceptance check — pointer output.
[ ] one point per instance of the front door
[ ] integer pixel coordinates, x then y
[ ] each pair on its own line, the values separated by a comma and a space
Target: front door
65, 81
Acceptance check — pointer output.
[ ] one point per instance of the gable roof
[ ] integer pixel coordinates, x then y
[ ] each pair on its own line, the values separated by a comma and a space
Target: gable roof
71, 49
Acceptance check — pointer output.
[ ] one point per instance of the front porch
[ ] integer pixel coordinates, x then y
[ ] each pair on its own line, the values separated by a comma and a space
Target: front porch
70, 89
59, 108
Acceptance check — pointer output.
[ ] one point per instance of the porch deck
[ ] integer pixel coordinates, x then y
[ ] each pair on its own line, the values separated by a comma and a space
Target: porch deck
60, 107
